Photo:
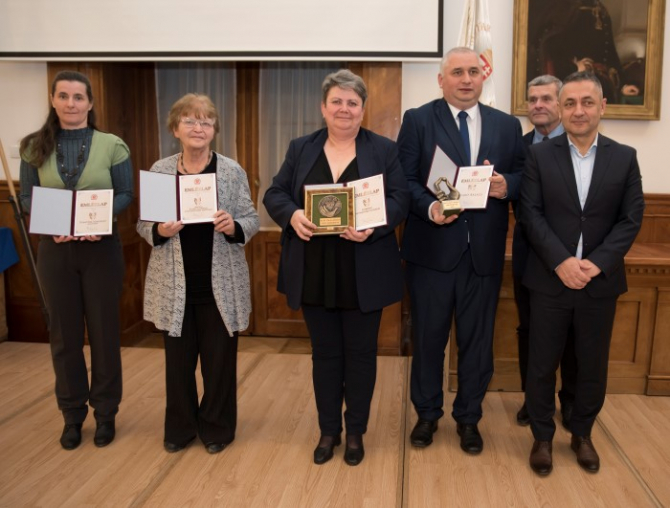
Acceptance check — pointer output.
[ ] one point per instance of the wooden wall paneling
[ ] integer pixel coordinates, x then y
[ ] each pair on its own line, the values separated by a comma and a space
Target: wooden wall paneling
273, 317
656, 223
383, 107
248, 74
659, 371
24, 316
129, 98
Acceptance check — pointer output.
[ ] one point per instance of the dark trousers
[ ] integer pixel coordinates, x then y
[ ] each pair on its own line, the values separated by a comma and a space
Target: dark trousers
568, 361
214, 419
344, 366
82, 283
550, 320
438, 297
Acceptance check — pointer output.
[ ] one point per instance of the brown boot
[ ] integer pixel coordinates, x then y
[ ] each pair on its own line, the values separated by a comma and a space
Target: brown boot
587, 457
540, 458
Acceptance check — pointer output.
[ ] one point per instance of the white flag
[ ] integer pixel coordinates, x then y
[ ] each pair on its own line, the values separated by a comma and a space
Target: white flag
476, 34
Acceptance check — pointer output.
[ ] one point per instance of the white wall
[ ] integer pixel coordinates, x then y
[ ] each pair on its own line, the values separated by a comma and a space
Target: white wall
23, 102
649, 138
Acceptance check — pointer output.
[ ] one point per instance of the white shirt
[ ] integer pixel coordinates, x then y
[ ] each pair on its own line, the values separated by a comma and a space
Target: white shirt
583, 168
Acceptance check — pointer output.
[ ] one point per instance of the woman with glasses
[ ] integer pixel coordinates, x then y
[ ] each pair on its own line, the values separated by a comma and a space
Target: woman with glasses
197, 285
82, 276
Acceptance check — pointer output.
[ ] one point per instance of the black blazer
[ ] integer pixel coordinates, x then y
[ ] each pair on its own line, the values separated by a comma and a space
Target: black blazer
519, 242
553, 219
378, 274
441, 247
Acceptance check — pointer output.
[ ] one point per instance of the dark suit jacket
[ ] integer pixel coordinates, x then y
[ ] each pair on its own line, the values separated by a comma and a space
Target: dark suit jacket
441, 247
519, 242
553, 219
378, 274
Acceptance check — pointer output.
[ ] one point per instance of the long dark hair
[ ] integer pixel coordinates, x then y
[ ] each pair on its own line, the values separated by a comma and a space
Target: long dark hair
39, 145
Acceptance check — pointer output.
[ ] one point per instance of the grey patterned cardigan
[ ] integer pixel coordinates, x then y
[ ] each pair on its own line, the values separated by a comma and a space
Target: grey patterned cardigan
165, 286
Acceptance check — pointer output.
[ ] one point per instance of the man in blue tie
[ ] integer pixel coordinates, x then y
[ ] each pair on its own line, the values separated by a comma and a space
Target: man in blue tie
581, 208
542, 94
455, 263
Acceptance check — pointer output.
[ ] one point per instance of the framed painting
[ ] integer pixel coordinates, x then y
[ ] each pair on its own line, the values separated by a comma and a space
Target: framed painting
620, 41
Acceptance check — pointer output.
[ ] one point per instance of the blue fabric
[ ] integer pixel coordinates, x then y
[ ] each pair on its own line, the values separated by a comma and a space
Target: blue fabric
8, 254
465, 133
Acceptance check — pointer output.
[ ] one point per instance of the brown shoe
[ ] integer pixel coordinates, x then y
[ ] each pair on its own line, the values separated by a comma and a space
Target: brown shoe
540, 458
587, 457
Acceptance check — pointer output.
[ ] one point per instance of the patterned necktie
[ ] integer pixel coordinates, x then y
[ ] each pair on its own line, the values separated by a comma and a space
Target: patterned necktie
465, 134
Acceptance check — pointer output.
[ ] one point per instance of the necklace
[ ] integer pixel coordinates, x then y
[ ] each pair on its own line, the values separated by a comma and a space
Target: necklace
181, 161
60, 157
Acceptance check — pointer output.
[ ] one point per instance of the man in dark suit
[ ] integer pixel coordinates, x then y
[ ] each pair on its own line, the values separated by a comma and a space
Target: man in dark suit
581, 208
454, 264
543, 113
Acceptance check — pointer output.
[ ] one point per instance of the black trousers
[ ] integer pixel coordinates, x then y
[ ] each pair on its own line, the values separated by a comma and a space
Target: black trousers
82, 282
438, 297
344, 366
550, 320
214, 418
568, 361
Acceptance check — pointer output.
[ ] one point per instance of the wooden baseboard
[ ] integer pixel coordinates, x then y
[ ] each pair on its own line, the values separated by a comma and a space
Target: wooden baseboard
658, 385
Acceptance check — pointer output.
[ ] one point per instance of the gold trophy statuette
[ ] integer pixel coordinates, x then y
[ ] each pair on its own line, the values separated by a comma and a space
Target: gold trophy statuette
449, 201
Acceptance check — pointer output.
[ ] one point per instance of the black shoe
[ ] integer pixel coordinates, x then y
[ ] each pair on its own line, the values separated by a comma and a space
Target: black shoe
566, 414
215, 447
354, 453
71, 436
522, 417
422, 434
324, 451
173, 448
471, 439
104, 433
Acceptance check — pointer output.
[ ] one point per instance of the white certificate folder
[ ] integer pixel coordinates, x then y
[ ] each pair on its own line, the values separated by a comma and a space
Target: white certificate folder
63, 212
169, 198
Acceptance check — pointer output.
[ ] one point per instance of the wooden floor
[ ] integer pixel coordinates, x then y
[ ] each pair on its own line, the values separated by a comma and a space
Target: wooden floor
270, 462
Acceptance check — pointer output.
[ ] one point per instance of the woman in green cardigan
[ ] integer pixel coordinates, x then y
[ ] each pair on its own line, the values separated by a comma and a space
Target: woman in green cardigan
82, 276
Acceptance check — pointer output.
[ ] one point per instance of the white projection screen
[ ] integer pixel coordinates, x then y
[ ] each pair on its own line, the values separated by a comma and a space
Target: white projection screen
220, 29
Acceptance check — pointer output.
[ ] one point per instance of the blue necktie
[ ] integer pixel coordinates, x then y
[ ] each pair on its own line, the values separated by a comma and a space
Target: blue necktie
465, 134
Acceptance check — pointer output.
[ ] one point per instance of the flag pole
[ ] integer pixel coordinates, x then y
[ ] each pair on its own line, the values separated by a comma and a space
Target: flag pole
25, 239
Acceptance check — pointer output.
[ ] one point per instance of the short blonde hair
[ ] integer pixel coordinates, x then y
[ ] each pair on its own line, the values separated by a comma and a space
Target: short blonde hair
196, 105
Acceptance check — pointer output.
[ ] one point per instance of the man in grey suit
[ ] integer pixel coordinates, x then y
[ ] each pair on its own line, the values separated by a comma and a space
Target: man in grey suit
542, 98
581, 208
454, 264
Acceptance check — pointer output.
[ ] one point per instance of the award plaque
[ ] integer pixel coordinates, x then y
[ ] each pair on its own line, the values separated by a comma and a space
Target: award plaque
449, 200
330, 208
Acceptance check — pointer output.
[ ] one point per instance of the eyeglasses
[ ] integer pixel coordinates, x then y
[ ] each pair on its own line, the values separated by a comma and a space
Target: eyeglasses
190, 123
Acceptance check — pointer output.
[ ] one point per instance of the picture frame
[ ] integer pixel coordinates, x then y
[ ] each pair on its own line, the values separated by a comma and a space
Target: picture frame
620, 41
330, 208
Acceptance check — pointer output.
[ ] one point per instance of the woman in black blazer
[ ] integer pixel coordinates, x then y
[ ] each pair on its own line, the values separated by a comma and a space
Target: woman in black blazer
341, 282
